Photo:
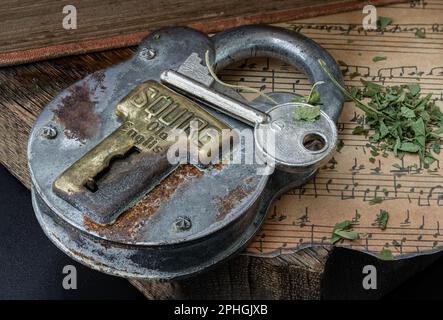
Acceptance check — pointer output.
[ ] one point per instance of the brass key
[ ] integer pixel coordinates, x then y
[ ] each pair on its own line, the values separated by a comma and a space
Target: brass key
132, 160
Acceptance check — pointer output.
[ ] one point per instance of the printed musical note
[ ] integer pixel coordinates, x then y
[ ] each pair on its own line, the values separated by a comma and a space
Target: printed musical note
347, 187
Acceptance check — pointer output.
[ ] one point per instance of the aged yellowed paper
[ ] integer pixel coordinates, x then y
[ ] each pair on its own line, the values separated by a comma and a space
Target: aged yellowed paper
348, 186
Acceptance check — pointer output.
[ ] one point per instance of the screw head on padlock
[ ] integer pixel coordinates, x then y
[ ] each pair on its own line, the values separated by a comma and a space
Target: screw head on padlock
103, 189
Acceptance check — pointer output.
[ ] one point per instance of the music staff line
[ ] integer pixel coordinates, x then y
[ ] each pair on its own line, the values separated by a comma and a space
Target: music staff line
376, 178
362, 184
372, 242
315, 34
371, 248
281, 85
280, 72
359, 190
283, 69
372, 235
371, 39
366, 198
429, 7
301, 82
371, 44
356, 182
384, 242
421, 228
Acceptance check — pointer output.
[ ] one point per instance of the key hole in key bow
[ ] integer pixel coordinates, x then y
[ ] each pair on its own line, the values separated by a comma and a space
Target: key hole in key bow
314, 142
92, 183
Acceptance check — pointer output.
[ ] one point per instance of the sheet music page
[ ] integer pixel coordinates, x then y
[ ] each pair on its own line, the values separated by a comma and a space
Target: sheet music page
343, 190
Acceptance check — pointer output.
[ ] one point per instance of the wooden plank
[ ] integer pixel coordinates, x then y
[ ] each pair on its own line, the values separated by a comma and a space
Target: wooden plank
31, 30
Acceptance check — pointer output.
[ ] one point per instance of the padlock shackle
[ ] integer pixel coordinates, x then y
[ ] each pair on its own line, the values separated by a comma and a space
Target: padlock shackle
289, 46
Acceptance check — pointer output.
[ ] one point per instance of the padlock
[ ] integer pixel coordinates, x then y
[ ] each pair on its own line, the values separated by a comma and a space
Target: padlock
102, 187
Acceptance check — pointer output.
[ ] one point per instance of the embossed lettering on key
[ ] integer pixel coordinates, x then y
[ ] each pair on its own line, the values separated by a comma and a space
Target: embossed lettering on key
132, 160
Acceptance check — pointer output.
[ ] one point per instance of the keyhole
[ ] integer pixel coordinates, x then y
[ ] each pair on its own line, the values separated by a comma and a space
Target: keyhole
314, 142
92, 183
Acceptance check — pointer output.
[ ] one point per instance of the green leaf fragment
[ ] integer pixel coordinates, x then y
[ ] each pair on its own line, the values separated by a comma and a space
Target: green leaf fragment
401, 120
354, 75
407, 113
340, 145
383, 22
384, 131
307, 113
379, 58
360, 130
409, 147
414, 88
420, 34
386, 254
375, 200
343, 230
349, 235
382, 219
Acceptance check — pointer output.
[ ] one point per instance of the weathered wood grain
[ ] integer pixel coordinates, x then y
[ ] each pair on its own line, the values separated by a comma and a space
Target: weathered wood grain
33, 30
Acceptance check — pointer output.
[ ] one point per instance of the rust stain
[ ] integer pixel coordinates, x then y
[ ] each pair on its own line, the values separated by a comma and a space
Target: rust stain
128, 225
226, 204
76, 114
99, 78
218, 166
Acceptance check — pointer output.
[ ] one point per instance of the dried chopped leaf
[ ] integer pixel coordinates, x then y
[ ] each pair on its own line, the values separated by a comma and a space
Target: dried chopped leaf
420, 34
409, 147
386, 254
382, 219
383, 22
347, 234
314, 97
343, 230
402, 119
379, 58
307, 113
407, 113
414, 88
354, 75
345, 224
340, 145
360, 130
375, 200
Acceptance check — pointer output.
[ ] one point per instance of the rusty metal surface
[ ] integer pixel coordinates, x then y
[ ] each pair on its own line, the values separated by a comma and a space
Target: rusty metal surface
132, 160
190, 221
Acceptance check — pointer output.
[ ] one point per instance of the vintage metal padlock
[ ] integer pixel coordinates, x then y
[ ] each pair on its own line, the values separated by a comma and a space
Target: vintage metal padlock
103, 190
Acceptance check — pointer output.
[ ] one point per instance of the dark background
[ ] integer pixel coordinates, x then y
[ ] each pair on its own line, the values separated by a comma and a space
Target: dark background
31, 266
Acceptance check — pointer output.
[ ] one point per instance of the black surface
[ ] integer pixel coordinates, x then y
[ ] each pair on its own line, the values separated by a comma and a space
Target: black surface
31, 266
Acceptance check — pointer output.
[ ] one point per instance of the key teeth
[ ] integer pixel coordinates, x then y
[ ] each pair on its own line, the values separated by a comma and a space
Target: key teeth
195, 69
